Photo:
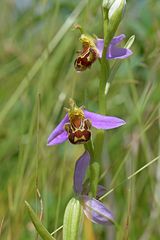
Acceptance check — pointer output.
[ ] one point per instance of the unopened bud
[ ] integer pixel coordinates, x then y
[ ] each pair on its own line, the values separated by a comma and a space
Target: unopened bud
107, 4
116, 8
113, 11
72, 220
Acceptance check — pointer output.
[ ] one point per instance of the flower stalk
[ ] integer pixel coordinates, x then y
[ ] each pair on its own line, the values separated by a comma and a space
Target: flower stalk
112, 15
105, 71
94, 169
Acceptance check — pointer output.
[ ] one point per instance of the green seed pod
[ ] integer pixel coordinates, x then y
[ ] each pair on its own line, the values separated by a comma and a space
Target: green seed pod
72, 221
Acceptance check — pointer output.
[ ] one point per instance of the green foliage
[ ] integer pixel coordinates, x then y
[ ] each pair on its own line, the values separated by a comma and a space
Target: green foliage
38, 225
37, 77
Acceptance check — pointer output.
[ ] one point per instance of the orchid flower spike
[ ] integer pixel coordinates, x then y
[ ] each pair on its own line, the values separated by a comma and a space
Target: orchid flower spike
92, 50
92, 208
77, 123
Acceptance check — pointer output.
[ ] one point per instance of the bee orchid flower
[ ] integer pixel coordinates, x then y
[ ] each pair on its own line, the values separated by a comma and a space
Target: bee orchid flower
92, 208
77, 123
92, 50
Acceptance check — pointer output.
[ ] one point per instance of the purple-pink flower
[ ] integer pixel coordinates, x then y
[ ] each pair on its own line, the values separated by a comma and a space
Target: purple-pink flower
77, 123
93, 209
113, 51
92, 50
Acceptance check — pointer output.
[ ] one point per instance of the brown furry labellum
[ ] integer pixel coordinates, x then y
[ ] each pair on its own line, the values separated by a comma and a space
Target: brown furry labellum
85, 59
79, 127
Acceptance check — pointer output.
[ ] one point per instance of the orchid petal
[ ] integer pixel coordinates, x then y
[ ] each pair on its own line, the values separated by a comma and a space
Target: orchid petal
80, 171
58, 131
113, 52
62, 137
117, 39
103, 122
96, 211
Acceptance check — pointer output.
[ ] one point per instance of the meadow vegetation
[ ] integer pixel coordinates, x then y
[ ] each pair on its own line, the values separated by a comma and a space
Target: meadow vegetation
37, 77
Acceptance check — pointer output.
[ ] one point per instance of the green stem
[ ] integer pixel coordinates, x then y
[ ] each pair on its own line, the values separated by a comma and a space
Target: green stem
105, 27
94, 169
105, 68
90, 148
105, 72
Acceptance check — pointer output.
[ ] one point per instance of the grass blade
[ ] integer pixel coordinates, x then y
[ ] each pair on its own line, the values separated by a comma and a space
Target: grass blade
38, 225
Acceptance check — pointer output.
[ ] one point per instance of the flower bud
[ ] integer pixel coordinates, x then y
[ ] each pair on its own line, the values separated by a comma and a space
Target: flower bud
117, 7
107, 4
72, 220
113, 12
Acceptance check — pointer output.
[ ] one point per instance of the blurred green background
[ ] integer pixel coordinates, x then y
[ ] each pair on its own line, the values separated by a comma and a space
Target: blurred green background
37, 77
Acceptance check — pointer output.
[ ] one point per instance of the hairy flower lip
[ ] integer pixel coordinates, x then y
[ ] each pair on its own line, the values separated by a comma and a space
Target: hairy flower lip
59, 135
90, 45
